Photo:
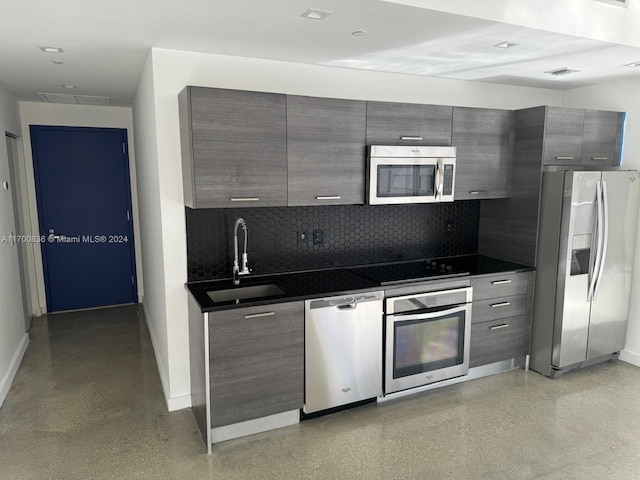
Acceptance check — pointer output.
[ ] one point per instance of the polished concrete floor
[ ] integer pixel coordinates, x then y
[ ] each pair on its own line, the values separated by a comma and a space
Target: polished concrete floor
87, 404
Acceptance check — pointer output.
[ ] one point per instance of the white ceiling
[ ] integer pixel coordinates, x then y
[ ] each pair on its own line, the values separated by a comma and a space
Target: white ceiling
106, 43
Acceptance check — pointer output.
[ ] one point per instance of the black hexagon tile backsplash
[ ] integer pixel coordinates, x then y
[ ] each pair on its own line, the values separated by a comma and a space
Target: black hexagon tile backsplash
350, 234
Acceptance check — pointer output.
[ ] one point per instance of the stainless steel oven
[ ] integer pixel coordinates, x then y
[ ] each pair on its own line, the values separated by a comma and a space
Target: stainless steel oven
427, 338
402, 174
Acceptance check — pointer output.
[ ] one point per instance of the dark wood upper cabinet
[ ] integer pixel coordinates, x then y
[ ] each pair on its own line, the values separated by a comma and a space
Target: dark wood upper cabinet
408, 124
563, 136
483, 139
234, 148
325, 150
582, 137
601, 137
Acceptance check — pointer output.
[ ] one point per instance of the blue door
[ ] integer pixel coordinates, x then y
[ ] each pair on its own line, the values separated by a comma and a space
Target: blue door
84, 211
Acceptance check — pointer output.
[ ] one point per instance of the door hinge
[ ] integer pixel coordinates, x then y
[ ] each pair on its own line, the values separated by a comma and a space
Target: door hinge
131, 279
123, 150
128, 216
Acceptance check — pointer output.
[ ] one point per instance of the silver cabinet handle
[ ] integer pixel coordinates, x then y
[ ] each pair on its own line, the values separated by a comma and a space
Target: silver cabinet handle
600, 158
498, 327
564, 158
501, 304
476, 192
328, 197
500, 282
258, 315
411, 137
244, 199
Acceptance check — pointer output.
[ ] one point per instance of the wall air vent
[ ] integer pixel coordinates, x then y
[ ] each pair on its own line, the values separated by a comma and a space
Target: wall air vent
617, 3
560, 72
71, 99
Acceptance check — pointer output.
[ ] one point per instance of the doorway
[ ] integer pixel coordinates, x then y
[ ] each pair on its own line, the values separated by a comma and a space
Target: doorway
83, 196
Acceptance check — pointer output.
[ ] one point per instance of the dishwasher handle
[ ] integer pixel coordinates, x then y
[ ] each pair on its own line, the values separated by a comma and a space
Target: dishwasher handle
344, 303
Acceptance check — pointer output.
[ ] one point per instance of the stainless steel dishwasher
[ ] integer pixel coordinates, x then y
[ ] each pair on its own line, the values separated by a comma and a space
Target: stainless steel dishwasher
343, 350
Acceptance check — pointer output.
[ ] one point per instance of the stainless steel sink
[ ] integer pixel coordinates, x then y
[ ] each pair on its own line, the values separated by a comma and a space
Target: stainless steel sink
243, 293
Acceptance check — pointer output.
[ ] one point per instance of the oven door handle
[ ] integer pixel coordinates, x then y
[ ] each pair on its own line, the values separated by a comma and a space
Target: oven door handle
423, 316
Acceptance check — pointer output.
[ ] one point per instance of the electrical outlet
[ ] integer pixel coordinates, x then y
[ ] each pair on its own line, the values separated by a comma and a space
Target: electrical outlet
449, 228
318, 236
303, 237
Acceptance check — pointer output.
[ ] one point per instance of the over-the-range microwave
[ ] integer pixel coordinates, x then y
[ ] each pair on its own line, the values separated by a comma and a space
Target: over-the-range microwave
410, 174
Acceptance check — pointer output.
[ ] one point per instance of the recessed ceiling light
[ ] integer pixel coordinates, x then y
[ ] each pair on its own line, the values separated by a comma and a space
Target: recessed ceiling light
359, 33
505, 44
70, 86
57, 62
316, 14
559, 72
632, 64
51, 49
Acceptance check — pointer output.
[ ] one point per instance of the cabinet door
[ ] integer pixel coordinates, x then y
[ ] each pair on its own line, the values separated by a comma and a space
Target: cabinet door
601, 137
239, 148
408, 124
563, 136
256, 357
325, 150
483, 138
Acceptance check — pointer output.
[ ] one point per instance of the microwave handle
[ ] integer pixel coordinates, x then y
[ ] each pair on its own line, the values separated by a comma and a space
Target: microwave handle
439, 178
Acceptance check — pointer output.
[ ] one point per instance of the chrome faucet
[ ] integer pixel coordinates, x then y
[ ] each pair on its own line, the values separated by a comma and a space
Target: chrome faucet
236, 266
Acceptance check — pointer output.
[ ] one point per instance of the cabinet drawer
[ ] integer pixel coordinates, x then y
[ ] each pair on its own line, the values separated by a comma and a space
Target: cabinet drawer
496, 340
501, 285
496, 308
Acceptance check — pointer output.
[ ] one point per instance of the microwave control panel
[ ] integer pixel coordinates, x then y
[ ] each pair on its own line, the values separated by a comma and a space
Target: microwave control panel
448, 180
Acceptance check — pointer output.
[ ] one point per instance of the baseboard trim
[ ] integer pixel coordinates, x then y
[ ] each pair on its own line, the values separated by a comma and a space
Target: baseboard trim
178, 403
7, 380
630, 357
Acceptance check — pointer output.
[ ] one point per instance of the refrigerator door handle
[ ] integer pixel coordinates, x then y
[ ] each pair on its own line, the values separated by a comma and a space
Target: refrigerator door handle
599, 231
605, 245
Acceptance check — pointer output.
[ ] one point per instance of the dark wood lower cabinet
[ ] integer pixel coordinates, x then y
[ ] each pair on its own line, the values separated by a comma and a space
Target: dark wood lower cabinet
256, 358
499, 318
497, 340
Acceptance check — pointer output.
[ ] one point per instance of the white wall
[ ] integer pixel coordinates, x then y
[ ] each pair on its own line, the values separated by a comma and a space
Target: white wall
79, 116
154, 247
13, 338
173, 70
621, 96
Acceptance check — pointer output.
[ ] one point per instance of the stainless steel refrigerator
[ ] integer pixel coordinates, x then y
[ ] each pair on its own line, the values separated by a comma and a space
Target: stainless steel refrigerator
586, 245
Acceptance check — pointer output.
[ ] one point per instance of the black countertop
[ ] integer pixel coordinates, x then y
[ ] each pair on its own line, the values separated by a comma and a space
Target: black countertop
305, 285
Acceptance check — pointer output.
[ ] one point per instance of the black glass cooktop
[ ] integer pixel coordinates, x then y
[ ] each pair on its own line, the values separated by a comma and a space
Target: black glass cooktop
416, 270
413, 271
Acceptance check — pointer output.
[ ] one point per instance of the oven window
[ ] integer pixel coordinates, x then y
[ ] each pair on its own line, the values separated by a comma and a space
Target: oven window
405, 180
430, 344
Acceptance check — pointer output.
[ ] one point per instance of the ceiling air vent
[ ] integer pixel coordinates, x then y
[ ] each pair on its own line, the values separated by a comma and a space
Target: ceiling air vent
71, 99
560, 72
617, 3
